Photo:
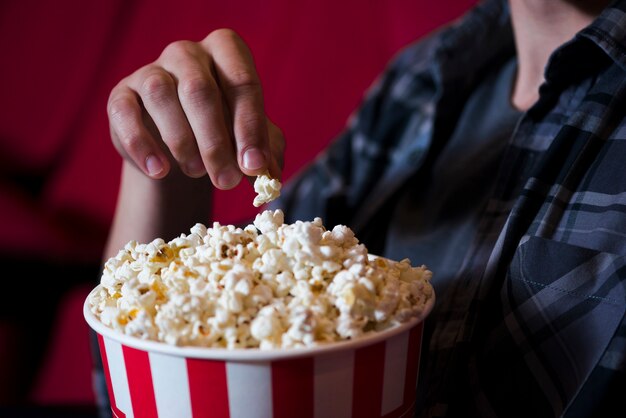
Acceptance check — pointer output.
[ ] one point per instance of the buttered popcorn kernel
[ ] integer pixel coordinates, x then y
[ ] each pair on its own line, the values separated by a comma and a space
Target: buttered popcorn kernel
269, 285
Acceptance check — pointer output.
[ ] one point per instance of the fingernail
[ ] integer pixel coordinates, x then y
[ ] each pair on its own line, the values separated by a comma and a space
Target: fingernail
229, 178
253, 159
154, 165
195, 167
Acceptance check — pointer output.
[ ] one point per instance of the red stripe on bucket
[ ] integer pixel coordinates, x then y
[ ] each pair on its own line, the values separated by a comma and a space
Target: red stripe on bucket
140, 382
292, 388
369, 364
207, 388
107, 376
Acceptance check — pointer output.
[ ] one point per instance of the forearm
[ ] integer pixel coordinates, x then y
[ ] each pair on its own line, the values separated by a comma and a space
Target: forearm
148, 209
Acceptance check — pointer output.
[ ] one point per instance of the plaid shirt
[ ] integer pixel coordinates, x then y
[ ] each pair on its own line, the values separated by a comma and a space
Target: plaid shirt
534, 323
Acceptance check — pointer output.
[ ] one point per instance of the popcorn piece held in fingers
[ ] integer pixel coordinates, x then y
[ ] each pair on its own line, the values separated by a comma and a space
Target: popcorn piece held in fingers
267, 189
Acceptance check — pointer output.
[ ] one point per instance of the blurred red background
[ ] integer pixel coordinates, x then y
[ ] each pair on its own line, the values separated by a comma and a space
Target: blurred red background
59, 172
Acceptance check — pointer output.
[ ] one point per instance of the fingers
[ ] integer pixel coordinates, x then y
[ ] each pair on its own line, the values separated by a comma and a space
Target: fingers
130, 135
200, 105
202, 102
277, 152
158, 91
240, 85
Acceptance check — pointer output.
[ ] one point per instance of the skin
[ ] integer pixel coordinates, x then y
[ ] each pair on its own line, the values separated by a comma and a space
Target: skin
198, 110
200, 106
192, 119
540, 27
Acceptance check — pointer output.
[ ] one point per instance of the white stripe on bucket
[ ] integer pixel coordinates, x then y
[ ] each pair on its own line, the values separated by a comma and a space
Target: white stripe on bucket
249, 389
119, 380
171, 386
395, 372
333, 385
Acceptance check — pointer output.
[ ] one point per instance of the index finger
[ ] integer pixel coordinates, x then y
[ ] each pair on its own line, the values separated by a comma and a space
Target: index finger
239, 82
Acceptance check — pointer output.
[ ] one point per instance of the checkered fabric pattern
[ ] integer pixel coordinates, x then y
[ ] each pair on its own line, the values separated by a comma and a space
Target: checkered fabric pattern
534, 324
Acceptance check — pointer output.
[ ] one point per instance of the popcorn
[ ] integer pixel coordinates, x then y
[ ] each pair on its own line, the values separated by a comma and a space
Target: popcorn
267, 189
268, 285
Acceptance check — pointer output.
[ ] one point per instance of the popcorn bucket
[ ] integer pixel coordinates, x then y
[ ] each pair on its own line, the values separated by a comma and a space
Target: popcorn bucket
373, 376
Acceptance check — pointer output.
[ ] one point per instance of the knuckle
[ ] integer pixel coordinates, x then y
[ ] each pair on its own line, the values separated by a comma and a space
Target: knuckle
119, 107
156, 85
179, 48
222, 34
197, 88
213, 153
131, 142
244, 79
243, 84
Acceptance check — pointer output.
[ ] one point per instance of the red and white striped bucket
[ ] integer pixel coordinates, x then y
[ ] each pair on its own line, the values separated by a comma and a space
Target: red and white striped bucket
374, 376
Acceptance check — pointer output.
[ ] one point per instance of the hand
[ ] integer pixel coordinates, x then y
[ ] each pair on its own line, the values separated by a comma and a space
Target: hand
199, 105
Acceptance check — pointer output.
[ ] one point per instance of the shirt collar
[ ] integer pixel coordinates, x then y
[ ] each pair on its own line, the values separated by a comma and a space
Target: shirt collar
486, 28
608, 32
469, 46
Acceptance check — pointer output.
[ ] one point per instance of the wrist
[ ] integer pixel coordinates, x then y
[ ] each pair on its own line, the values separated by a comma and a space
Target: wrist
165, 208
